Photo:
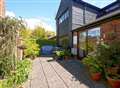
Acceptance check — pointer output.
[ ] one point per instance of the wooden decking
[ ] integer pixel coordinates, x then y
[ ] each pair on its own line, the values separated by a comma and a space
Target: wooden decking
62, 74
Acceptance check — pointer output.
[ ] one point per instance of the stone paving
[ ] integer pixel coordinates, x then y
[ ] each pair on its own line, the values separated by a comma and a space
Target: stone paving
47, 73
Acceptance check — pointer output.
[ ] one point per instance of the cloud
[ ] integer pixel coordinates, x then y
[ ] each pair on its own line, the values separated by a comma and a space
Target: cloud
33, 22
100, 3
10, 14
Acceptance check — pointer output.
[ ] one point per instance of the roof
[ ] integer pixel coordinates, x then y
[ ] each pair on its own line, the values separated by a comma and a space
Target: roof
110, 5
80, 2
87, 4
53, 37
97, 22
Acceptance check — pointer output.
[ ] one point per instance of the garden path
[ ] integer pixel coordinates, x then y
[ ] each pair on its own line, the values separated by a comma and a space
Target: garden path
47, 73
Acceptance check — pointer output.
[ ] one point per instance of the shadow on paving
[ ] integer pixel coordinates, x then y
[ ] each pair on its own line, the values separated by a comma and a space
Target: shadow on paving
77, 69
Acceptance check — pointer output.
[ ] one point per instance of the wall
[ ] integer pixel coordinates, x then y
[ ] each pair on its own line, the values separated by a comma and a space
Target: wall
109, 30
2, 8
82, 15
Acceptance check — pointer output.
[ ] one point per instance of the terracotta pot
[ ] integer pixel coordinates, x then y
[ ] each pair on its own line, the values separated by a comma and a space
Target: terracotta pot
66, 57
114, 83
96, 76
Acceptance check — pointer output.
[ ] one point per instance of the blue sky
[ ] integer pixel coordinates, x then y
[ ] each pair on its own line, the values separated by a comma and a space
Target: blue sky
44, 10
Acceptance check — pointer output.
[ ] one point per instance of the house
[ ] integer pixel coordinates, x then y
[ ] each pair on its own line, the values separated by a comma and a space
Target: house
88, 25
71, 15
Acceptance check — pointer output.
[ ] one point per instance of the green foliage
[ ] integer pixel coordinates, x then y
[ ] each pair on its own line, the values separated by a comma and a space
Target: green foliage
93, 64
60, 53
38, 33
32, 48
67, 53
25, 33
5, 66
18, 76
9, 28
35, 39
1, 84
43, 42
109, 55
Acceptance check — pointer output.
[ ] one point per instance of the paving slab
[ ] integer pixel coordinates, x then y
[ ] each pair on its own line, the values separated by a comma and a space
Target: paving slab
47, 73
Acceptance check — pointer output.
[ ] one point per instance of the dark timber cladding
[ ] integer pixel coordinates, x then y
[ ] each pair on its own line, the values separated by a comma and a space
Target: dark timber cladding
98, 22
71, 15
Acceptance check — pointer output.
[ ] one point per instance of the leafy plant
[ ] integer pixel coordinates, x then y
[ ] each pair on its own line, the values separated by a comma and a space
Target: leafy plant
67, 53
60, 53
18, 76
92, 63
109, 57
9, 28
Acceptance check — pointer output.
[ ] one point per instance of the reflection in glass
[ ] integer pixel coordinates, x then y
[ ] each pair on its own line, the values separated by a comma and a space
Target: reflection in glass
93, 39
82, 44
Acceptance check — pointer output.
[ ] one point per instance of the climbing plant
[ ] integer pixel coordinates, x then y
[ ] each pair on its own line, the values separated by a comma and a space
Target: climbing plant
9, 31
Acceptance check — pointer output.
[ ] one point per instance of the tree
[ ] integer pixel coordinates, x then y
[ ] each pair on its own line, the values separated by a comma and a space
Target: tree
38, 33
32, 48
49, 34
25, 33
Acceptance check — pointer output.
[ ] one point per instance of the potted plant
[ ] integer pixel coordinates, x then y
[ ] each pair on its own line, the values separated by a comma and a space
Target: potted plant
109, 56
96, 73
60, 55
114, 79
94, 67
67, 54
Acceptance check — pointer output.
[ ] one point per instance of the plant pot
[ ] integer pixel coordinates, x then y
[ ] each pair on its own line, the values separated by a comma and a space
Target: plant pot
113, 82
96, 76
66, 57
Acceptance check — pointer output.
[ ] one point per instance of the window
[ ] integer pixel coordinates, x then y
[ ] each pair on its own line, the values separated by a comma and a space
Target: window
64, 17
82, 44
93, 38
88, 41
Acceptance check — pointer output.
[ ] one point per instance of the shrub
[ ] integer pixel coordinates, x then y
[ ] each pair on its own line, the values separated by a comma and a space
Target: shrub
32, 49
18, 76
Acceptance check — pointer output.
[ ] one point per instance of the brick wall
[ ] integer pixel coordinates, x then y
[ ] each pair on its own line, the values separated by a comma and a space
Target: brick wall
2, 8
110, 30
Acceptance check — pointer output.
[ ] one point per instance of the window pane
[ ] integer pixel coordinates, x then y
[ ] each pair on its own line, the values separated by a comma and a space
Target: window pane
82, 44
93, 39
64, 17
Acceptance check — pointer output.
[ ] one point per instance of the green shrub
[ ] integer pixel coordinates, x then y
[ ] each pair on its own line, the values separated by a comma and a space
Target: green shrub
18, 76
67, 53
32, 49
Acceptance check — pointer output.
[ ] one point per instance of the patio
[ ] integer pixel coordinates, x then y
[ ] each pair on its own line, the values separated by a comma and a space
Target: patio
47, 73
